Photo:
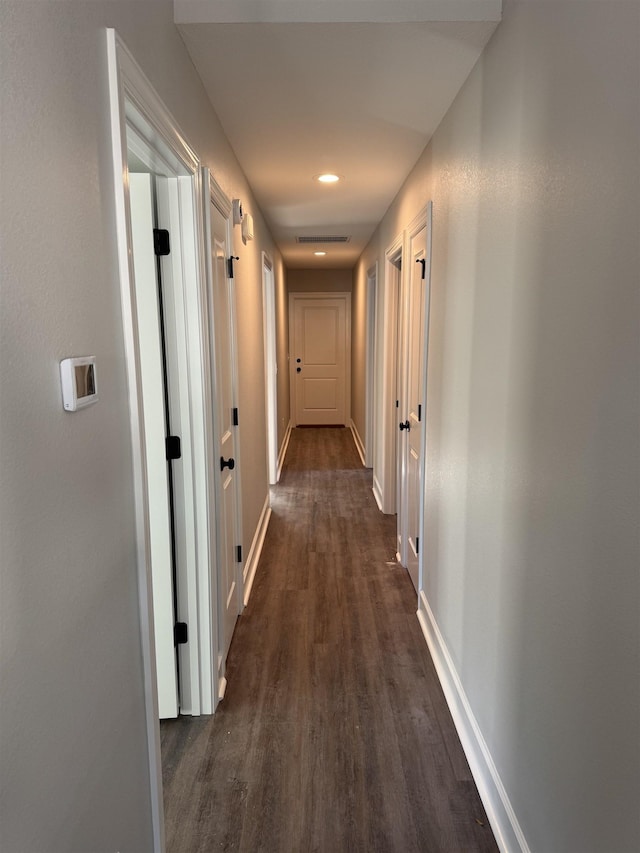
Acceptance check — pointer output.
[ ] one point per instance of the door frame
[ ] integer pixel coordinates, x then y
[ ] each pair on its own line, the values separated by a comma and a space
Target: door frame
214, 194
426, 216
413, 563
371, 360
270, 366
134, 104
314, 295
423, 219
385, 475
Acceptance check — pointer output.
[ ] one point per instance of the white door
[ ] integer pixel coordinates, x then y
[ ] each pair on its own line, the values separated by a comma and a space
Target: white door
153, 399
226, 416
320, 326
414, 422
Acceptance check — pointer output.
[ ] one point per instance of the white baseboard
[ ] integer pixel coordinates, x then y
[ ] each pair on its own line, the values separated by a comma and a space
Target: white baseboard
357, 441
507, 830
283, 450
253, 556
377, 493
222, 688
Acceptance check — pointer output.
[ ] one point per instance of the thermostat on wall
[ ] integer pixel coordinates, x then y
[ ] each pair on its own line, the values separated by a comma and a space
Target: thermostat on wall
79, 385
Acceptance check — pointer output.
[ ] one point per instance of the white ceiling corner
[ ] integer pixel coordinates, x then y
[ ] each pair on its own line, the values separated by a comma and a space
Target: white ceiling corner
360, 98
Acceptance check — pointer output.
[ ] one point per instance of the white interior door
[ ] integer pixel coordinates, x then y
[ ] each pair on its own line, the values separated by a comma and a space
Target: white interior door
153, 391
414, 423
228, 525
319, 358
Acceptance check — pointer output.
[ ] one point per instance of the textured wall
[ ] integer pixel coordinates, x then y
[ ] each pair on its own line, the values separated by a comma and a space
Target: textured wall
531, 541
72, 732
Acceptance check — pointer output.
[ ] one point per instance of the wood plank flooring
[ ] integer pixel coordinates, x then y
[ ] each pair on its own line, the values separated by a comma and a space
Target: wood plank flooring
334, 734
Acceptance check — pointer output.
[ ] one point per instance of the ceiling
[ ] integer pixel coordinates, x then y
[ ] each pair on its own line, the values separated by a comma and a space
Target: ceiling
355, 87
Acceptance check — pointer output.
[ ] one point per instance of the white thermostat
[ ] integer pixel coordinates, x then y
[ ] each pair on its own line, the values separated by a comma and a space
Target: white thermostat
79, 384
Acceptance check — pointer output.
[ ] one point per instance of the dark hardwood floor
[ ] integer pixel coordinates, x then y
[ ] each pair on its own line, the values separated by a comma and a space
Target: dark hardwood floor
334, 734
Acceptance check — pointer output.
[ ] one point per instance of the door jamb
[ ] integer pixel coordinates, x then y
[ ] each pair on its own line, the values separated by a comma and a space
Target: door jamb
426, 217
388, 417
371, 347
270, 366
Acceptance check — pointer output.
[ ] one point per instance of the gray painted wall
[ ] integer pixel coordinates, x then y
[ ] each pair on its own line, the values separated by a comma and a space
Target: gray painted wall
72, 740
531, 543
308, 280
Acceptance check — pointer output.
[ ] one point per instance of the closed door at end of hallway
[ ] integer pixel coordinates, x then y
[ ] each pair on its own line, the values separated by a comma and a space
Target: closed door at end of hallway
319, 366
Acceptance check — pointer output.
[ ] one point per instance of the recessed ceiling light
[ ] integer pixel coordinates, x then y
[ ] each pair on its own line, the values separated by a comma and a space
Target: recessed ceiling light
319, 253
327, 178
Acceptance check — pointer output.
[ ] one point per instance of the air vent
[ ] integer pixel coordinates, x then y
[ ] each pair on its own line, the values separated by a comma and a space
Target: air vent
326, 238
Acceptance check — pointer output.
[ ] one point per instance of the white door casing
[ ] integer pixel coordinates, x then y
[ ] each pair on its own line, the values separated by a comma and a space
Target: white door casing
385, 473
371, 360
222, 310
320, 328
416, 329
136, 110
270, 367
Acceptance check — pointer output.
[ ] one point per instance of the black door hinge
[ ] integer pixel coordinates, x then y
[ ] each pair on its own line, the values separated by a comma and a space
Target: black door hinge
424, 264
238, 553
172, 447
230, 261
161, 244
180, 634
417, 545
397, 404
419, 411
234, 413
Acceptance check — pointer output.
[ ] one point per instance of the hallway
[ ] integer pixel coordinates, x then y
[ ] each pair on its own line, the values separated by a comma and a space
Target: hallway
334, 734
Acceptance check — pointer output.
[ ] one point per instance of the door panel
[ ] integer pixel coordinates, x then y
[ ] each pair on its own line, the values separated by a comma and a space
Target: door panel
319, 359
228, 527
415, 389
153, 401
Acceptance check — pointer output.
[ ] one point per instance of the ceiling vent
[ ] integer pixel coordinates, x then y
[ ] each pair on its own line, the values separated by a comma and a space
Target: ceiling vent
326, 238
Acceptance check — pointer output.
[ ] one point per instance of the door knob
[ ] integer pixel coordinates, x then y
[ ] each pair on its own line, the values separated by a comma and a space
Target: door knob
406, 425
227, 463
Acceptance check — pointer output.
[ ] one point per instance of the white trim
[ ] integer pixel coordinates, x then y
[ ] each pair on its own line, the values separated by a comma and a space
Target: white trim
122, 71
389, 295
284, 448
222, 688
270, 366
253, 558
422, 219
503, 820
371, 356
141, 121
358, 442
428, 222
377, 492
